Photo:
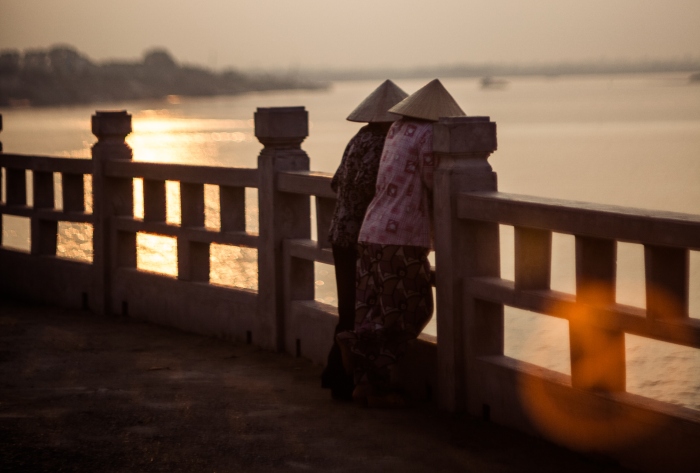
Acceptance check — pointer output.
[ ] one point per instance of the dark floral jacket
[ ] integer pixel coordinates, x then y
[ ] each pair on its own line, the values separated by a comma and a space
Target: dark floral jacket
355, 182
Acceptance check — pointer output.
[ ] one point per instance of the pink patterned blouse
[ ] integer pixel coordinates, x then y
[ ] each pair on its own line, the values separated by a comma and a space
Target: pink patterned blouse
401, 212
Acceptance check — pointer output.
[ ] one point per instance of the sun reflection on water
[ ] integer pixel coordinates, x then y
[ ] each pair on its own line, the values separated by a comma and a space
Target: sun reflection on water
163, 136
74, 241
234, 266
156, 253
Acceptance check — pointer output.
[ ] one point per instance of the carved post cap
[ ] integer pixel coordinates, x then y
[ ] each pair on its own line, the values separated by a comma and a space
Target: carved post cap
281, 126
457, 135
111, 124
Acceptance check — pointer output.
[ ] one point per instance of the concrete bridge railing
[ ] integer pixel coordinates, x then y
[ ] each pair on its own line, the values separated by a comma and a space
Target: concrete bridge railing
464, 368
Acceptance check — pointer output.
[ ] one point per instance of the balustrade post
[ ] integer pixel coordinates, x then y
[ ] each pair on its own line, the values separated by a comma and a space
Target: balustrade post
466, 327
281, 130
112, 197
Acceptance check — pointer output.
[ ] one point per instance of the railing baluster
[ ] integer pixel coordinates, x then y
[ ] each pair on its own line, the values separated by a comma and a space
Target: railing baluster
232, 208
193, 260
596, 268
154, 201
324, 214
192, 204
597, 355
73, 192
533, 258
122, 191
16, 181
126, 249
300, 270
44, 233
484, 324
667, 282
43, 190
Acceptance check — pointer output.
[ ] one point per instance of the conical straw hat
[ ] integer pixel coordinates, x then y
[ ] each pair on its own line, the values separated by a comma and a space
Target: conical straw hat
430, 102
374, 108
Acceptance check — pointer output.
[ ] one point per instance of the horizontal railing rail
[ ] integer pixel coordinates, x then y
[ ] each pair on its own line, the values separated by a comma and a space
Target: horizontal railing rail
193, 174
46, 163
46, 214
312, 183
615, 317
195, 234
308, 250
583, 218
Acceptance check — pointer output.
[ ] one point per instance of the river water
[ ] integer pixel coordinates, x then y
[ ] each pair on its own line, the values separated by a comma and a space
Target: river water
626, 140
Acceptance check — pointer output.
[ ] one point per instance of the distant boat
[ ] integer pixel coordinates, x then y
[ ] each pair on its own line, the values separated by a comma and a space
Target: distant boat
695, 77
489, 82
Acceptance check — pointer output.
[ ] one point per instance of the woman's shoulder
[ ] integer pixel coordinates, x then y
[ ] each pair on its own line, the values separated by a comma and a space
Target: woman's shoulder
368, 137
422, 126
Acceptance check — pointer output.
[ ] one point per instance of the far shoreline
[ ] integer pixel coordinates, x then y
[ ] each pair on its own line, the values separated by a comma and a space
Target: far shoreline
681, 78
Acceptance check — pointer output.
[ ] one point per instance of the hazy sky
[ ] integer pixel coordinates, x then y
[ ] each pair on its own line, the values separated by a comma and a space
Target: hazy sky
358, 33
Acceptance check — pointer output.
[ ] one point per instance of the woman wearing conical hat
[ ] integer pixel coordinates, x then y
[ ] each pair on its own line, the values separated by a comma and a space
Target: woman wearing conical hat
394, 298
354, 182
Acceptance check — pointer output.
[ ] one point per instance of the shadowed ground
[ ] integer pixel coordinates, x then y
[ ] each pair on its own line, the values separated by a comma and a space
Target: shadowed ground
84, 393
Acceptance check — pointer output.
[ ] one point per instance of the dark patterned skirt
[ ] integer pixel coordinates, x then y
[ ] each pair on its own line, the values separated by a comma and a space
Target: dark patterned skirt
394, 302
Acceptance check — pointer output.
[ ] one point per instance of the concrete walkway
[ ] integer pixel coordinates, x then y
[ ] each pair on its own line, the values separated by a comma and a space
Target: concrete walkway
89, 394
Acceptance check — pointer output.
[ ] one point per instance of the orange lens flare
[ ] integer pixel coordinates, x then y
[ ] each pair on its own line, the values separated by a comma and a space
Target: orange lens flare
589, 417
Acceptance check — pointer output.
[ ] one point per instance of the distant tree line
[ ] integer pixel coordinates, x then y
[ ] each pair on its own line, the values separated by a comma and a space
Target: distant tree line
62, 75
